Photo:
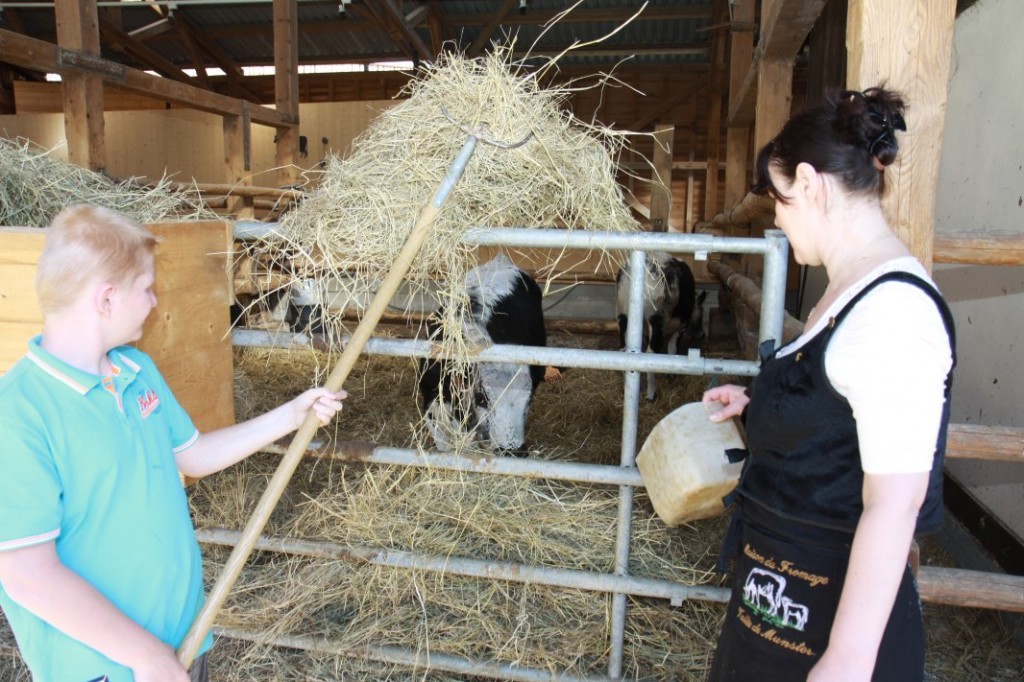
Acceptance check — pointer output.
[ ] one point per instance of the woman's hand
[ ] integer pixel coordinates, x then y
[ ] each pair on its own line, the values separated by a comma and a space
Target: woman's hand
831, 668
325, 404
733, 398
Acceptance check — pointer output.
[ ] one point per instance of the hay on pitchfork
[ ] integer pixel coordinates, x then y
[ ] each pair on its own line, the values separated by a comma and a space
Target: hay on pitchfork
349, 232
35, 185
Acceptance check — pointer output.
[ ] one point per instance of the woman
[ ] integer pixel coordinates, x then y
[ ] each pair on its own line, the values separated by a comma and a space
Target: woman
846, 425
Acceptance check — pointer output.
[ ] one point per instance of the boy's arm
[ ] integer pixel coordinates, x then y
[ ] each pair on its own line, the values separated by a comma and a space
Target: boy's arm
219, 449
35, 578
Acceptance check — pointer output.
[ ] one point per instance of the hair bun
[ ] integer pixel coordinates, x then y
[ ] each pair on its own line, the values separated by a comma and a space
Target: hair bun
870, 119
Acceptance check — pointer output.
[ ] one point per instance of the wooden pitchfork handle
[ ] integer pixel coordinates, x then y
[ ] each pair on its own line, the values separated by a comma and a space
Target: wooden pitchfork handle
275, 488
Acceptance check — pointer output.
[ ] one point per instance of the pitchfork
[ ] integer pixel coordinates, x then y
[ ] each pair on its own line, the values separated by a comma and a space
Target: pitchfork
292, 457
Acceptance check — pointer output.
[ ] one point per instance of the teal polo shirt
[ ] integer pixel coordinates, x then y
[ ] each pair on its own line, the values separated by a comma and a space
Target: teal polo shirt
88, 463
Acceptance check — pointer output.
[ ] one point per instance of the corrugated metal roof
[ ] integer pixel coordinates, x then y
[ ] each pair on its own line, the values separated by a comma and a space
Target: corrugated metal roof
677, 34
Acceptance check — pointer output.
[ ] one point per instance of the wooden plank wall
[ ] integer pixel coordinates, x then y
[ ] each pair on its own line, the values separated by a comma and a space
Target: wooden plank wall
186, 335
20, 317
187, 144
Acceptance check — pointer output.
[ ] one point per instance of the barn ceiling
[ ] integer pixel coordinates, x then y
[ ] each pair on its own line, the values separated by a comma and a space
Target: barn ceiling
170, 37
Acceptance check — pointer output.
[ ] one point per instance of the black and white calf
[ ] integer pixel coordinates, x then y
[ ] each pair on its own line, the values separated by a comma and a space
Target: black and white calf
490, 404
297, 305
673, 312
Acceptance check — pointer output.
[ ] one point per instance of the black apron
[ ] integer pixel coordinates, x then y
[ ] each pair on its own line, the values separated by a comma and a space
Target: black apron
797, 506
787, 580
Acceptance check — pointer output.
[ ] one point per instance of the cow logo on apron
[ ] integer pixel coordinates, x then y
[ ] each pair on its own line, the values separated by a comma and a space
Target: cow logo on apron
762, 592
779, 598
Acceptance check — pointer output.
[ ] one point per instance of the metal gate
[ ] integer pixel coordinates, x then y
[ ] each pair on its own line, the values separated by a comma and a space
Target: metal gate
773, 247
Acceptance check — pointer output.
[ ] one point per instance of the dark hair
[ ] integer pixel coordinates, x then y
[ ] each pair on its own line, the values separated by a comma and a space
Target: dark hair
852, 137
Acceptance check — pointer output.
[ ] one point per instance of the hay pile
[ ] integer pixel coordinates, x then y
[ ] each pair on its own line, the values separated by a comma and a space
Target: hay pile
35, 185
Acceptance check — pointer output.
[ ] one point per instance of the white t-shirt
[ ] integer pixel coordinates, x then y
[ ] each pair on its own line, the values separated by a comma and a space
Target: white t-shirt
889, 358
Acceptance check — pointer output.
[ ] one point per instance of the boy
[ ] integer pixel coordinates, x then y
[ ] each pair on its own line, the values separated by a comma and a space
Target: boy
100, 573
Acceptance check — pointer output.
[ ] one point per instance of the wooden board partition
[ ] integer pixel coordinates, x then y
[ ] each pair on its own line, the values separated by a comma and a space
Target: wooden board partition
186, 335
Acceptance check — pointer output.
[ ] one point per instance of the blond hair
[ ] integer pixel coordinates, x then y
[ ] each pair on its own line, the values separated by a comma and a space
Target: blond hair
88, 244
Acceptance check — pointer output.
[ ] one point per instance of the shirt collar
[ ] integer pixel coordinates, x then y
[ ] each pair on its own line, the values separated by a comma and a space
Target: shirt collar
76, 379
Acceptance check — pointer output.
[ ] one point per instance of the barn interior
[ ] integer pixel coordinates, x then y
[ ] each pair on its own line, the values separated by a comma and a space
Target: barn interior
244, 110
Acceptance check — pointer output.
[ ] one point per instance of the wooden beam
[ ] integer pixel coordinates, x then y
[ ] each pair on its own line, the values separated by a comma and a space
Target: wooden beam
743, 101
907, 45
236, 154
495, 20
158, 27
774, 99
45, 98
995, 443
972, 589
198, 62
78, 30
440, 28
785, 25
979, 248
121, 42
716, 78
666, 106
690, 165
222, 59
286, 87
376, 14
404, 30
737, 164
737, 139
661, 178
688, 219
40, 55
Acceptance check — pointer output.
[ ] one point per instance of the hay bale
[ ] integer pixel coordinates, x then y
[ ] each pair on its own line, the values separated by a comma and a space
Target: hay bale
35, 185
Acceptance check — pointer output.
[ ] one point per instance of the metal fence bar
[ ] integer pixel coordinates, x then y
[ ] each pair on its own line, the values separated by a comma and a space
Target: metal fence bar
411, 658
481, 463
537, 237
630, 421
509, 571
773, 287
532, 355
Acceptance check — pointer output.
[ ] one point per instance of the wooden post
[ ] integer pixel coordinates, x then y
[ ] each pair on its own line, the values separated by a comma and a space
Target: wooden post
774, 99
661, 182
908, 46
236, 155
78, 29
286, 87
737, 138
720, 15
689, 185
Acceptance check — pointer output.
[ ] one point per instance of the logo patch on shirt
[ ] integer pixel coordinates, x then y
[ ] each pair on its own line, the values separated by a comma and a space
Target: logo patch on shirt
148, 401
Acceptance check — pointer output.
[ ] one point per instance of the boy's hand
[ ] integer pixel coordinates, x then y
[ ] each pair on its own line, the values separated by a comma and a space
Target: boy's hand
325, 404
162, 665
